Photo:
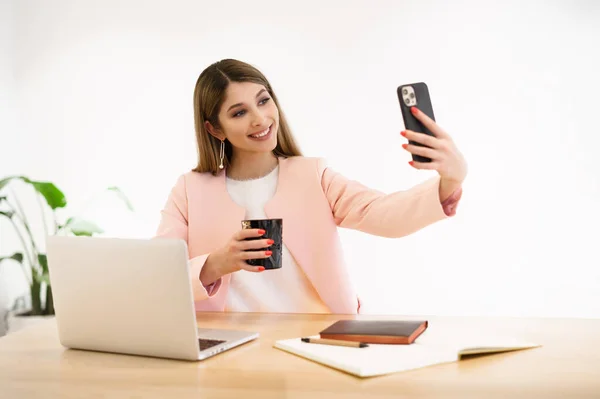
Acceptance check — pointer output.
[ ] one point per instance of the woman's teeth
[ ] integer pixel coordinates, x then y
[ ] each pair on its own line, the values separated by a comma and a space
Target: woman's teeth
261, 134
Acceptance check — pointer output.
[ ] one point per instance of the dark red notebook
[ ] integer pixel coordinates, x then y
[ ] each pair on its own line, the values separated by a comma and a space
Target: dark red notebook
376, 331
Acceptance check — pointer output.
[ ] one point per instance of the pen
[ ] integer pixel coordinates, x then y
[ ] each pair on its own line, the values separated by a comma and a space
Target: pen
335, 342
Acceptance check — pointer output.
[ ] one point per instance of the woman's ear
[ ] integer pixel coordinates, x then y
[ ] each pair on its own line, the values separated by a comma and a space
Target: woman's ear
214, 132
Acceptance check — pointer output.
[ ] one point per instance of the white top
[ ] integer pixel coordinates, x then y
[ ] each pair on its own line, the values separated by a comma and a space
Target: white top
285, 290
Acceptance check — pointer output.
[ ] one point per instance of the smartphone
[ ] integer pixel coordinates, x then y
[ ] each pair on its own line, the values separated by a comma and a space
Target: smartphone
415, 95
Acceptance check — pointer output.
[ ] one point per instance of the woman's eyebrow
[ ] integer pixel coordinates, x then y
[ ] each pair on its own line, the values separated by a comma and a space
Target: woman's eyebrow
238, 104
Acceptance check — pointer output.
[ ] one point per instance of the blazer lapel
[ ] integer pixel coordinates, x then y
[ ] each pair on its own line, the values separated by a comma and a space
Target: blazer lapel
227, 215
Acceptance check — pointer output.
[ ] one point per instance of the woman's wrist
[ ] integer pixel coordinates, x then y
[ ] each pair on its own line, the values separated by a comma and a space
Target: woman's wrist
210, 272
447, 188
451, 202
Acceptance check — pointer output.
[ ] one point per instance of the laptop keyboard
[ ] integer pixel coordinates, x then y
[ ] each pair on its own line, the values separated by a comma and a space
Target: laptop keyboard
208, 343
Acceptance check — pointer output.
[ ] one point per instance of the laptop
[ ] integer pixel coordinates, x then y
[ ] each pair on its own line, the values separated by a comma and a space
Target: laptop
130, 296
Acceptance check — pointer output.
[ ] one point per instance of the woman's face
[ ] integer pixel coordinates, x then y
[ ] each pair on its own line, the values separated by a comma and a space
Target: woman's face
249, 118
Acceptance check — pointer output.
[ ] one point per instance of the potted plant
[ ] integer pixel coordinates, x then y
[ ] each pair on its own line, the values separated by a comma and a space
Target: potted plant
32, 257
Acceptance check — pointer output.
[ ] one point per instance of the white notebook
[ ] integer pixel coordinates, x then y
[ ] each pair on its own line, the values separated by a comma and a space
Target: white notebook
427, 350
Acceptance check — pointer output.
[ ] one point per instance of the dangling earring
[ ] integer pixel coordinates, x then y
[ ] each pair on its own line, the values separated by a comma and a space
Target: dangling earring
222, 155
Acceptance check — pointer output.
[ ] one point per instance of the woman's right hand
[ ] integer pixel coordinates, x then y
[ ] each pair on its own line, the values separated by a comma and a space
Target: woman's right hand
232, 257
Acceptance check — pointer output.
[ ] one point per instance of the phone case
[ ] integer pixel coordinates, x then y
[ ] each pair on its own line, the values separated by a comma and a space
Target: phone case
423, 102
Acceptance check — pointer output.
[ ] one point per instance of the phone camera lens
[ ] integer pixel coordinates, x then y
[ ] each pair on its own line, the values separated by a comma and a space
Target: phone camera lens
412, 95
407, 101
404, 91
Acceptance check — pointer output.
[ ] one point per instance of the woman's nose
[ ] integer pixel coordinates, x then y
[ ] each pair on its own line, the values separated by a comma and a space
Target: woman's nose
258, 118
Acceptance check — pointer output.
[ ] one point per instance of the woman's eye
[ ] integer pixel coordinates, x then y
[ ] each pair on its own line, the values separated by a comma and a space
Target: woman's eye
242, 112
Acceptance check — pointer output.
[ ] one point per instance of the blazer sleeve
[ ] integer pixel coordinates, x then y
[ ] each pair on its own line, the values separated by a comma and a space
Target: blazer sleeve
174, 224
371, 211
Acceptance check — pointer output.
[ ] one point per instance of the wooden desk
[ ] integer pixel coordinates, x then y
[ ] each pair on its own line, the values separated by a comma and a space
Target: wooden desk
34, 365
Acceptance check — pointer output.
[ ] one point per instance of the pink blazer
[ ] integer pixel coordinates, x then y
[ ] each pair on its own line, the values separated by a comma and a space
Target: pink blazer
313, 201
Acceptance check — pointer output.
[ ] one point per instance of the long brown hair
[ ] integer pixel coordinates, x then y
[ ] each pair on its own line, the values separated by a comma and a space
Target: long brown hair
209, 95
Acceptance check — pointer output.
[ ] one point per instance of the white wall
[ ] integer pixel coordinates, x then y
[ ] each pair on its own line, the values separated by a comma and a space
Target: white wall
105, 97
12, 282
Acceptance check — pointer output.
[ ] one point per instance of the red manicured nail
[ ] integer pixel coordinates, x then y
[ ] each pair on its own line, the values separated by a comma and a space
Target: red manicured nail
403, 133
268, 253
261, 232
413, 110
270, 242
411, 163
404, 146
260, 269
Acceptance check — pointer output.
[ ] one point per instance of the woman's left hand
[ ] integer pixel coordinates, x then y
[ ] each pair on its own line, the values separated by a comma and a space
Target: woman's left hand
446, 159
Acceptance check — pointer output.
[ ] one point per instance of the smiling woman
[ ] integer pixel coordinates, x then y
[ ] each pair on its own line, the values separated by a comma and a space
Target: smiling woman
250, 167
236, 107
248, 124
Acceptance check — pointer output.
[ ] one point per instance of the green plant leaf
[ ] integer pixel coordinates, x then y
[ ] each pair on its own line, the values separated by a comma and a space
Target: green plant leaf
42, 275
44, 278
64, 226
53, 196
43, 262
122, 196
18, 256
81, 227
8, 214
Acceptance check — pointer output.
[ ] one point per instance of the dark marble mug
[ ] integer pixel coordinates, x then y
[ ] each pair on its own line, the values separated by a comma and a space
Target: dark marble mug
274, 230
